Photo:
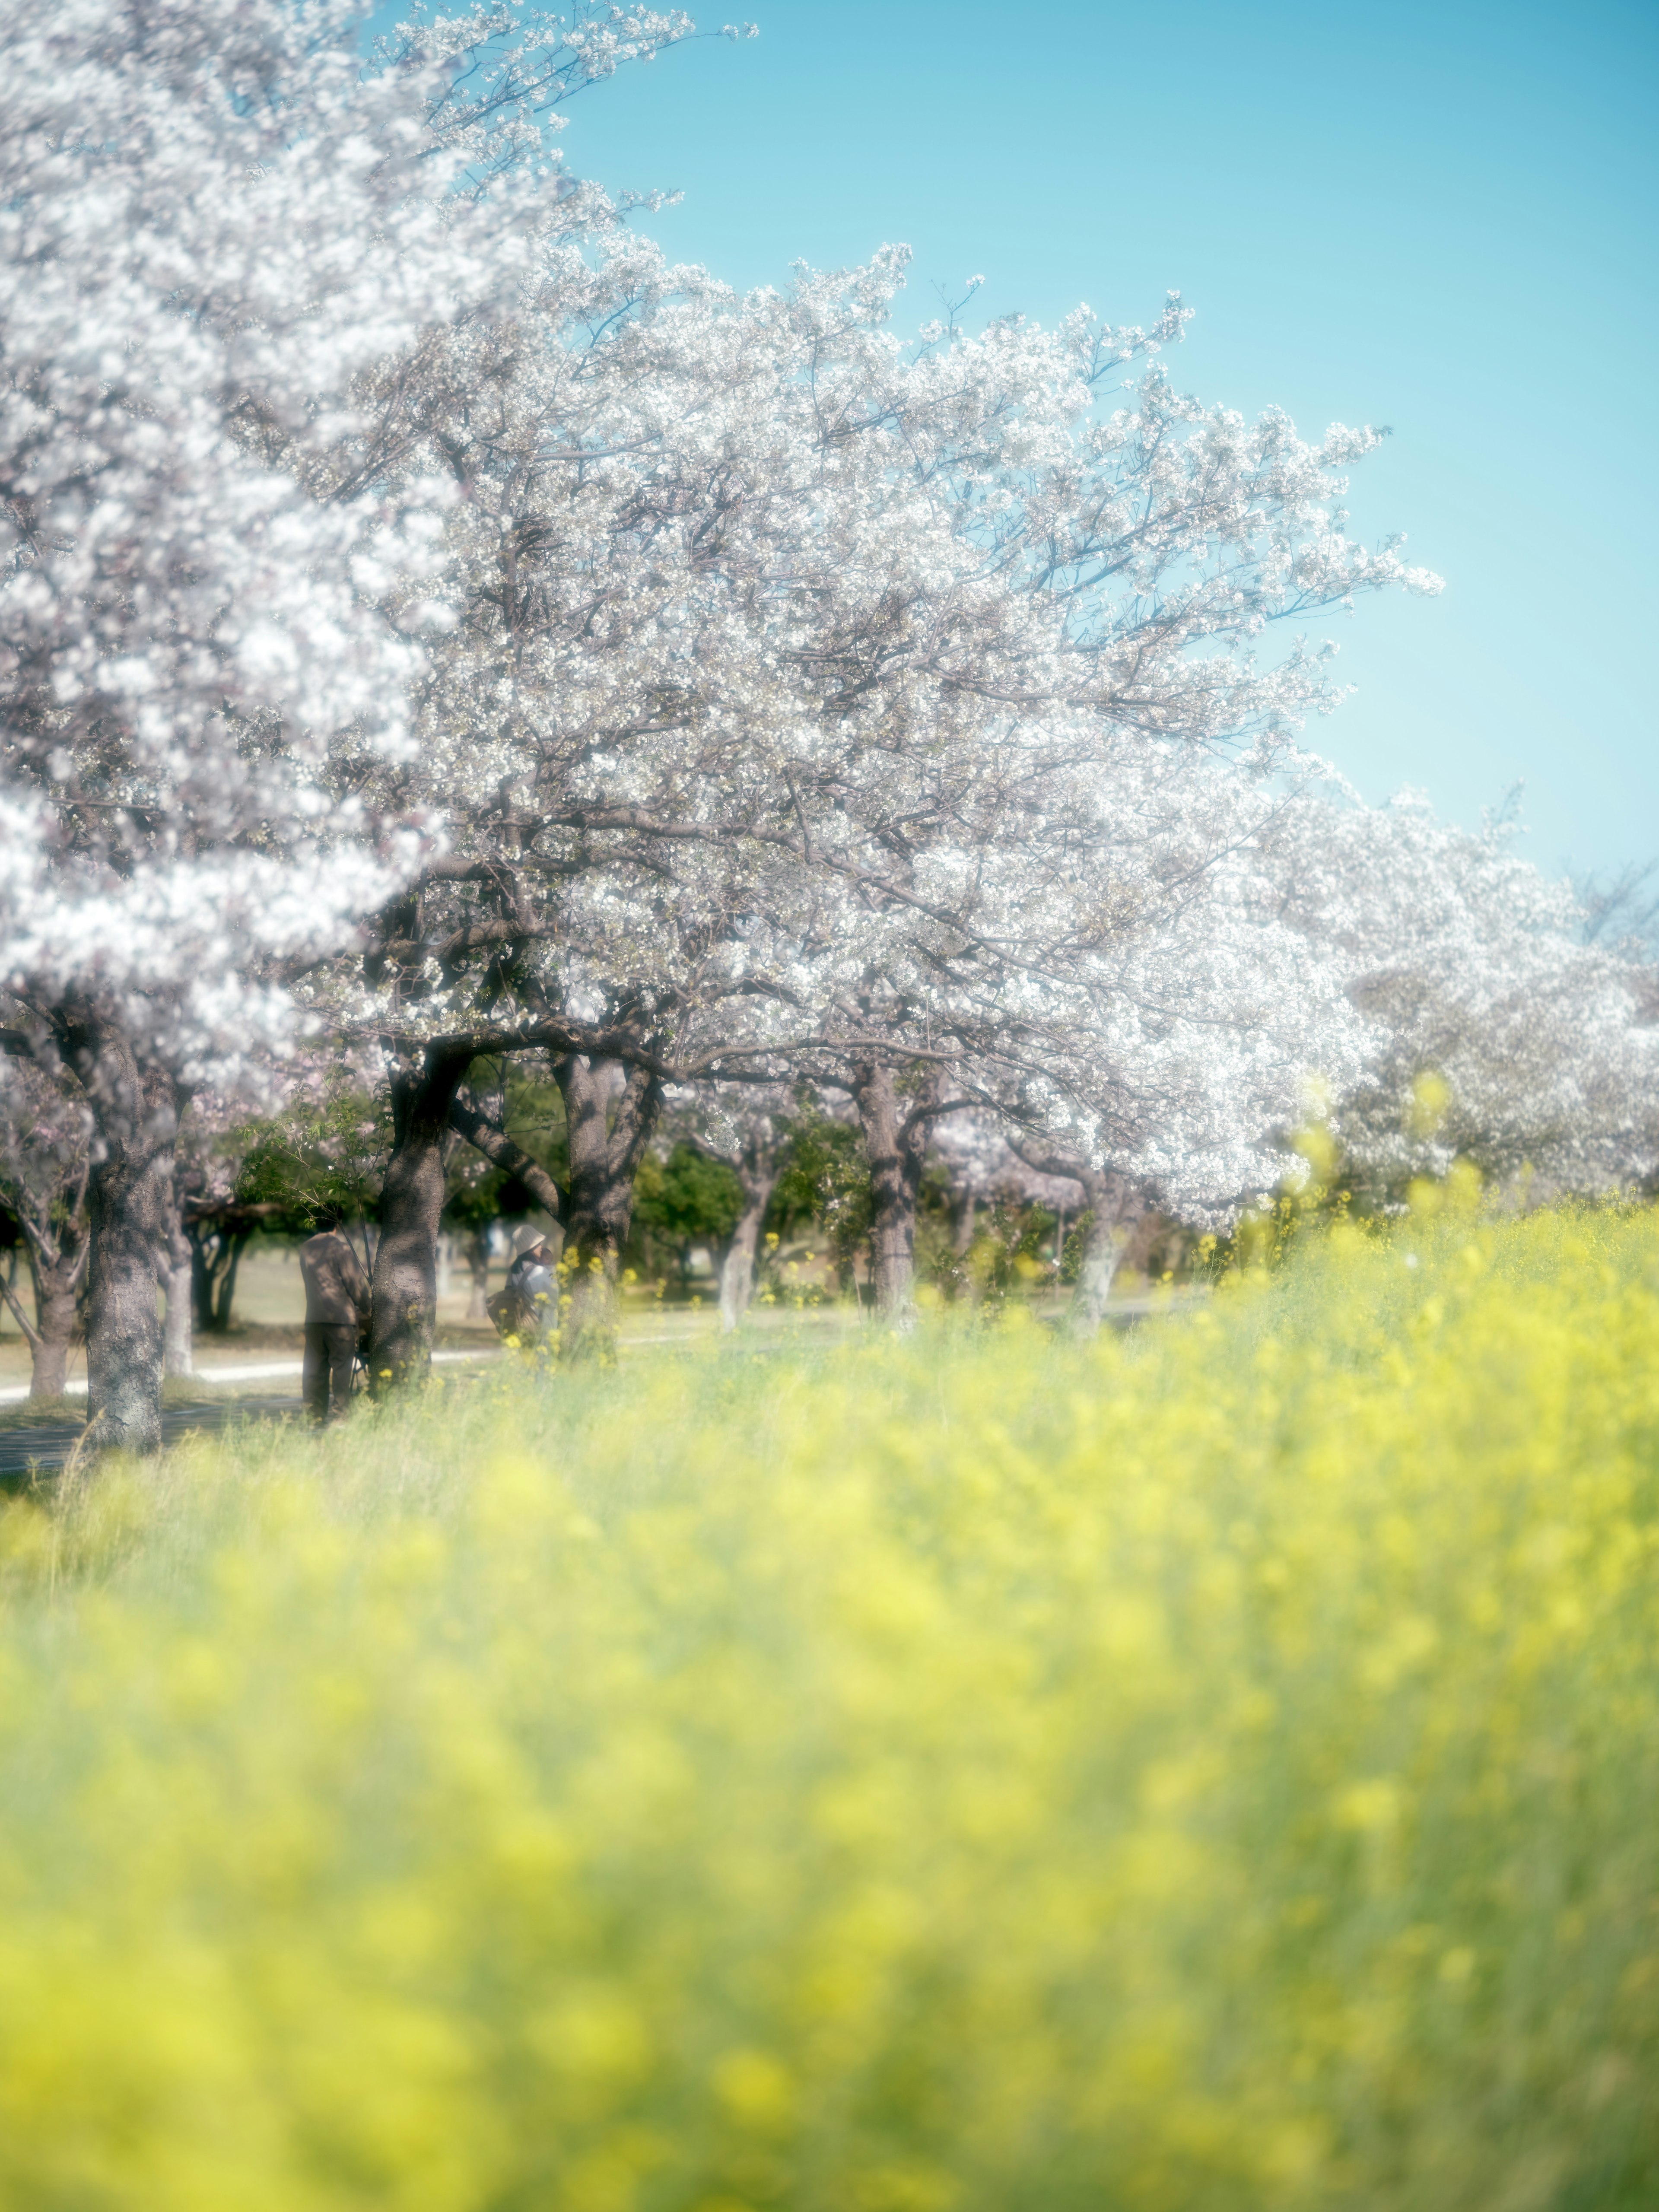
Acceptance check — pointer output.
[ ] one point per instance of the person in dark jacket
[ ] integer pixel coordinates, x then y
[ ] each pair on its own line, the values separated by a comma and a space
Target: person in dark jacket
336, 1313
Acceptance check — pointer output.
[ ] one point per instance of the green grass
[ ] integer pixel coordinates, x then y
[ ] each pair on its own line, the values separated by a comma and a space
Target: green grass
1215, 1769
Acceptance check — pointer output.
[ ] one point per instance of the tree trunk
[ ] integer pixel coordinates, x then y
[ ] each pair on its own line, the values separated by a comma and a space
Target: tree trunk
405, 1281
215, 1251
737, 1269
51, 1333
54, 1326
130, 1206
1110, 1199
478, 1261
896, 1147
236, 1245
964, 1219
178, 1281
605, 1158
201, 1272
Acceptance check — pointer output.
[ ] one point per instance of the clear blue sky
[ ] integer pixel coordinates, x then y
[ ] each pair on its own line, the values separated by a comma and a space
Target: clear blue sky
1439, 218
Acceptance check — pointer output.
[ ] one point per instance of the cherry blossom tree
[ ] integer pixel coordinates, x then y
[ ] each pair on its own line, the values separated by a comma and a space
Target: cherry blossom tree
986, 1159
1503, 1037
1110, 974
779, 647
231, 252
792, 673
747, 1127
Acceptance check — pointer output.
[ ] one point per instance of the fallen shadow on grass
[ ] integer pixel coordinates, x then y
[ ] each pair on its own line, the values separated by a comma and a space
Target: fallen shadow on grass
36, 1440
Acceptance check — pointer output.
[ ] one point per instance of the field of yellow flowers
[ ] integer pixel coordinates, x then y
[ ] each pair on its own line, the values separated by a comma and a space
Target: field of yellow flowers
1214, 1769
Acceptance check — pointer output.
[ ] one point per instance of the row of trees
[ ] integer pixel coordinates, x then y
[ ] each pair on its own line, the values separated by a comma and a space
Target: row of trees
733, 1187
437, 629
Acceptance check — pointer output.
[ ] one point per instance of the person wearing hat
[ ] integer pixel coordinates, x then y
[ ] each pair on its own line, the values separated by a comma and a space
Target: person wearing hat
532, 1289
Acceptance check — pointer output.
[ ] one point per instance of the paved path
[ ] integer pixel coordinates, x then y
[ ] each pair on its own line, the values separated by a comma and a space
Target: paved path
46, 1444
257, 1371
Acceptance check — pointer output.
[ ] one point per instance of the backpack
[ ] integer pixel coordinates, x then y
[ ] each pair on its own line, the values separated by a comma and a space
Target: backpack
506, 1310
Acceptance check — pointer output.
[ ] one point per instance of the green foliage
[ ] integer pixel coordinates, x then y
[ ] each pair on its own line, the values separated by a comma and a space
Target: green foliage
687, 1199
1215, 1769
314, 1157
826, 1180
1076, 1247
1014, 1248
527, 1102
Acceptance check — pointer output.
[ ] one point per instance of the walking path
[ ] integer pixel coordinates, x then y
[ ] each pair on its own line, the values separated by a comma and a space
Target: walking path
256, 1372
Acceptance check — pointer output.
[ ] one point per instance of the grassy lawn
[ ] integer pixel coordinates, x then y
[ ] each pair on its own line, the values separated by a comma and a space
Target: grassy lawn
1214, 1768
269, 1309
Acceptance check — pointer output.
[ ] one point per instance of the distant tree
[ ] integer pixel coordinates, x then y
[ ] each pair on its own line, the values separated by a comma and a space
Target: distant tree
242, 1175
45, 1164
824, 1178
687, 1199
1499, 1035
1622, 908
749, 1130
228, 244
811, 699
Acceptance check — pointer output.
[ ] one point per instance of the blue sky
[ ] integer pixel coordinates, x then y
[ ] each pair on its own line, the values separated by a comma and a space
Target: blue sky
1438, 217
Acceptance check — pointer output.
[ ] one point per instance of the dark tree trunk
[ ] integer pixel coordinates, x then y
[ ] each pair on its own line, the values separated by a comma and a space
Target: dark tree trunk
129, 1204
236, 1244
477, 1261
405, 1279
897, 1144
201, 1239
55, 1242
605, 1152
216, 1237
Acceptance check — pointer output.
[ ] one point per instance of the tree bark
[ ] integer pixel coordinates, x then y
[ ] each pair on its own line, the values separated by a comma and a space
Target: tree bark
606, 1153
179, 1282
759, 1177
55, 1242
1111, 1200
129, 1204
896, 1144
226, 1291
405, 1279
52, 1332
54, 1321
477, 1261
